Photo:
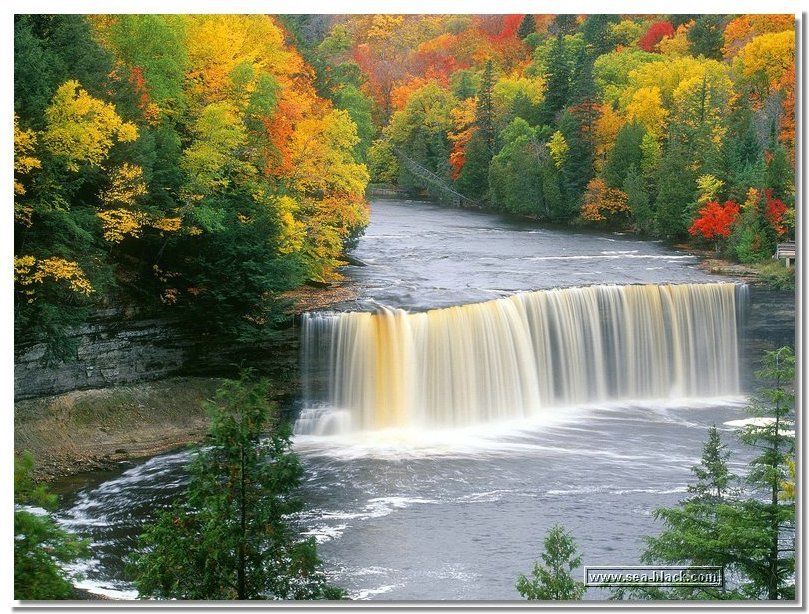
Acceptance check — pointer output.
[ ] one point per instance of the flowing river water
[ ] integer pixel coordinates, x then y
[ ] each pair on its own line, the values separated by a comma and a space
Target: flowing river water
454, 505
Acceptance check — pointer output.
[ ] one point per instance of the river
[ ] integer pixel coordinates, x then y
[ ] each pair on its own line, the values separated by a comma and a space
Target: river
457, 513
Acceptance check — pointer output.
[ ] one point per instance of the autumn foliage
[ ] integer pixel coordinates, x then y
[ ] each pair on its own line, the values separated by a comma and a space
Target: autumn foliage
715, 221
194, 164
774, 212
656, 33
603, 204
213, 162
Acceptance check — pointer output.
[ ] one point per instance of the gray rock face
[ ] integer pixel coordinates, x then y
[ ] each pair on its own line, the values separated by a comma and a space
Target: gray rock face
114, 349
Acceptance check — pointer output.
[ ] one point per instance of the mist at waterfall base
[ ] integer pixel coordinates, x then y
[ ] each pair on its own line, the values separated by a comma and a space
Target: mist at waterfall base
432, 475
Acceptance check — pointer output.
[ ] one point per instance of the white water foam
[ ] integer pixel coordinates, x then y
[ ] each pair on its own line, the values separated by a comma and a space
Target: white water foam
507, 437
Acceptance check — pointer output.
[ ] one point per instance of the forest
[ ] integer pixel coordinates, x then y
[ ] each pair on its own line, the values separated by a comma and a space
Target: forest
204, 165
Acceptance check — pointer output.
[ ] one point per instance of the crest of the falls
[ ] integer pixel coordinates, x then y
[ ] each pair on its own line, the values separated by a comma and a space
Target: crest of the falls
518, 356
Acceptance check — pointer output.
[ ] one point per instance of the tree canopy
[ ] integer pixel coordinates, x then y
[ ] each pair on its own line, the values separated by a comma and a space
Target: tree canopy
158, 156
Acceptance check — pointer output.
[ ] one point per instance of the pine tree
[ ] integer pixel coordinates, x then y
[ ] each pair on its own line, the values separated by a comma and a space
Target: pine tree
714, 479
706, 37
577, 170
553, 580
676, 187
779, 173
774, 407
696, 530
463, 84
527, 26
751, 535
584, 102
41, 548
625, 153
230, 538
597, 34
473, 180
564, 24
638, 200
557, 82
554, 205
484, 108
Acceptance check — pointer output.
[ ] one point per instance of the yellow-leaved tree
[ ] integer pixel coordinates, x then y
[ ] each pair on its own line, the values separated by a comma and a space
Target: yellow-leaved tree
332, 185
82, 129
120, 215
24, 162
646, 108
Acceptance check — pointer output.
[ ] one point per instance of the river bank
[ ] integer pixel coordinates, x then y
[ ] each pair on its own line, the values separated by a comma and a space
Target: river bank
88, 430
773, 275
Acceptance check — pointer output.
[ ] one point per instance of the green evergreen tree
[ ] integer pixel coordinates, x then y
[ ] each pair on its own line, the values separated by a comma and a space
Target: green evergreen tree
552, 580
584, 99
714, 479
771, 572
582, 84
679, 19
564, 24
696, 530
554, 205
527, 26
625, 153
557, 81
41, 548
676, 187
464, 84
706, 37
49, 50
473, 180
638, 200
597, 34
780, 173
752, 537
484, 108
577, 169
231, 538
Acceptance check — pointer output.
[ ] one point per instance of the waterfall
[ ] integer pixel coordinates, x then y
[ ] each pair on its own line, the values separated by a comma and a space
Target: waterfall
517, 356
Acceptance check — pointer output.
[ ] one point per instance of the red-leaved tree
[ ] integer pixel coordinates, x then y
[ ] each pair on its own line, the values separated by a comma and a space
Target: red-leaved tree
656, 33
774, 212
715, 221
